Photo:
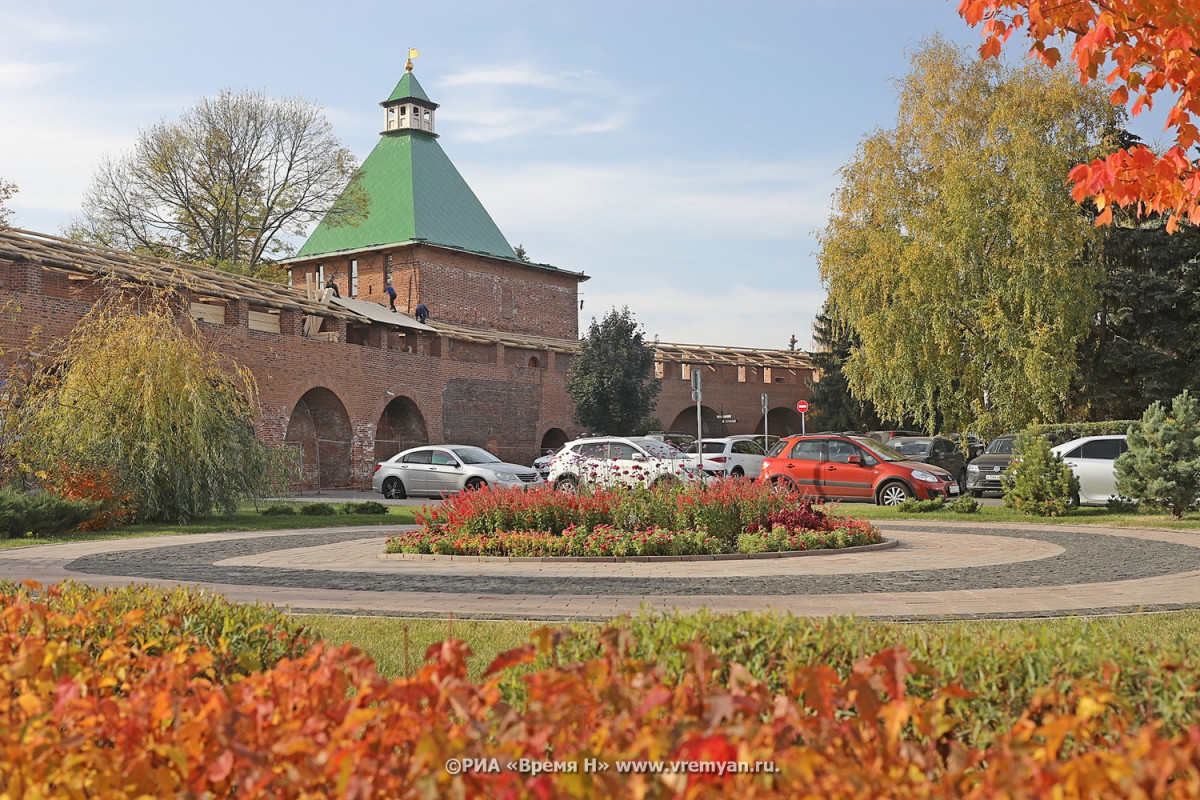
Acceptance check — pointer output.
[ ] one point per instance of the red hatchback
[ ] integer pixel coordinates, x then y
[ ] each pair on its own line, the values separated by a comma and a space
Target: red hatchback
854, 468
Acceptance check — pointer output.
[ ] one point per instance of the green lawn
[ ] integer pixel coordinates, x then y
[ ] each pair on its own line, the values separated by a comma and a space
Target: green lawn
246, 519
383, 638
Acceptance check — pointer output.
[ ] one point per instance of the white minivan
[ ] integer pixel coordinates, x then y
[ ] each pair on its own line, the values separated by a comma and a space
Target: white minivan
1093, 460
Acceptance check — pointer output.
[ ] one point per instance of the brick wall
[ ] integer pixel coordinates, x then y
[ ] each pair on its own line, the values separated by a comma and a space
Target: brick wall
343, 406
462, 288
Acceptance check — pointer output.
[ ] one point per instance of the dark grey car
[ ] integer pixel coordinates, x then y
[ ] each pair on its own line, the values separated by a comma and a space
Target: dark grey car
936, 450
983, 473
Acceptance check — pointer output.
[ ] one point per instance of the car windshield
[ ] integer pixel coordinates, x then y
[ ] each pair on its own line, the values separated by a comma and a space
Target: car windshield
1002, 446
475, 455
881, 450
913, 447
658, 449
709, 447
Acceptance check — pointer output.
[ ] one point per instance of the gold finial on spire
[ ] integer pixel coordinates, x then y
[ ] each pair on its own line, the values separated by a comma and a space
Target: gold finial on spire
412, 53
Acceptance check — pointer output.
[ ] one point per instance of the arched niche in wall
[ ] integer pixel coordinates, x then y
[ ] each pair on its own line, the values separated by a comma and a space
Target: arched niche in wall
400, 427
553, 439
685, 422
781, 421
319, 429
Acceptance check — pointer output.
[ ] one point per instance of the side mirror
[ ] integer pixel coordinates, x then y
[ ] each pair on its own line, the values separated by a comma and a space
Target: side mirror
854, 460
639, 456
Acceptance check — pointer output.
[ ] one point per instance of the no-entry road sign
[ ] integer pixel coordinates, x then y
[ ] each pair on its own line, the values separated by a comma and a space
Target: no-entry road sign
802, 406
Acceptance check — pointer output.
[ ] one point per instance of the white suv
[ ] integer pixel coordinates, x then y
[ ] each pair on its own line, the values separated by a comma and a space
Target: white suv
618, 461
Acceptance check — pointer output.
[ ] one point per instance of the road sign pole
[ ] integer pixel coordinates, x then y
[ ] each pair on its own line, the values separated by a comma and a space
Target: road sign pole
802, 407
698, 396
766, 446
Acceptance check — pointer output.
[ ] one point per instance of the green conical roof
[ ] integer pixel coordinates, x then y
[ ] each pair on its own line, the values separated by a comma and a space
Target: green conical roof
408, 88
414, 192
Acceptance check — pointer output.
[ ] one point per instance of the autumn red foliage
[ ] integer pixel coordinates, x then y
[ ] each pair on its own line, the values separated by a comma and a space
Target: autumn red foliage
97, 486
120, 717
1141, 48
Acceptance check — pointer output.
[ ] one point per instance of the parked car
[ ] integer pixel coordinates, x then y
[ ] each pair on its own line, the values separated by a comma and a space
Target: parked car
674, 438
854, 468
1093, 460
983, 473
436, 470
887, 436
542, 463
765, 441
937, 450
975, 445
729, 457
619, 461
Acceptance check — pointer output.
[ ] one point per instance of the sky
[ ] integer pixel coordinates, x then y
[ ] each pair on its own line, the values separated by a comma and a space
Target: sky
682, 154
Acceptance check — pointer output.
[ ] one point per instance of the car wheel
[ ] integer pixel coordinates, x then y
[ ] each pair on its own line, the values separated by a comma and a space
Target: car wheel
962, 482
893, 494
737, 473
1074, 499
664, 481
393, 489
976, 493
782, 486
475, 484
568, 484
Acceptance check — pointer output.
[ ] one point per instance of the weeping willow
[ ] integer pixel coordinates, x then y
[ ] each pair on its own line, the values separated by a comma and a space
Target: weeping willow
136, 389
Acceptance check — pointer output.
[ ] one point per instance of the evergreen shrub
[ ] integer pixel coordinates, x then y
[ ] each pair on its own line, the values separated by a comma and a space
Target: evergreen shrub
279, 510
40, 512
915, 506
364, 507
964, 505
1037, 481
318, 509
1162, 465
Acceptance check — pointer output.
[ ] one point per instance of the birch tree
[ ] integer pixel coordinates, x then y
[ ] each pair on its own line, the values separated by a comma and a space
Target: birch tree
954, 250
225, 185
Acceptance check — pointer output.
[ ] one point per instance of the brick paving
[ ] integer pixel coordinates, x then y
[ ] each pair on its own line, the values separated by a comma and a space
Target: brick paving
934, 571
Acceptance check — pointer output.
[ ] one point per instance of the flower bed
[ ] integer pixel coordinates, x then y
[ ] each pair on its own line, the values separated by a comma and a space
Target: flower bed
732, 517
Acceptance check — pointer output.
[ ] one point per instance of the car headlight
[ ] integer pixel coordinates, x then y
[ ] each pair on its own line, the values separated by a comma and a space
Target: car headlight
506, 477
928, 477
972, 468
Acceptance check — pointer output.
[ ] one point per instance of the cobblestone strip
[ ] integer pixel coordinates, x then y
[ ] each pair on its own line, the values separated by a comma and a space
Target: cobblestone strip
1086, 558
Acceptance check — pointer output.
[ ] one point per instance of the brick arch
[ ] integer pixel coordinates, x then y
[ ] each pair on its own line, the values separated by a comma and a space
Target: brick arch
401, 426
781, 421
320, 431
553, 439
685, 422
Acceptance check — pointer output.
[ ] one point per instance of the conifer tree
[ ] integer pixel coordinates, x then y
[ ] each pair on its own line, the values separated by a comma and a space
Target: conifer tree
1162, 466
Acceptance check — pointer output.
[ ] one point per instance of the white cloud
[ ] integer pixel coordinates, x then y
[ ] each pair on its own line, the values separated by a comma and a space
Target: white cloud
739, 316
716, 200
20, 74
488, 104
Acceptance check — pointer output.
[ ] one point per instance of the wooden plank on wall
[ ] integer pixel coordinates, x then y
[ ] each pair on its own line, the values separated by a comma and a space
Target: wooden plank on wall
263, 321
208, 312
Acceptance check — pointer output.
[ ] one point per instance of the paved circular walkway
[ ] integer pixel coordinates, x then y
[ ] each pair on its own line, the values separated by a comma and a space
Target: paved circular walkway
936, 571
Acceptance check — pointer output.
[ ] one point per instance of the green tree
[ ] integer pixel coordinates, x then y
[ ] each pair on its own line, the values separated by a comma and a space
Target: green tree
1145, 336
224, 185
135, 390
7, 190
1037, 481
955, 251
612, 378
834, 407
1162, 466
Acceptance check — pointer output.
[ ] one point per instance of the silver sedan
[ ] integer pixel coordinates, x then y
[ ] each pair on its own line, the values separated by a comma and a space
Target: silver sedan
437, 470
